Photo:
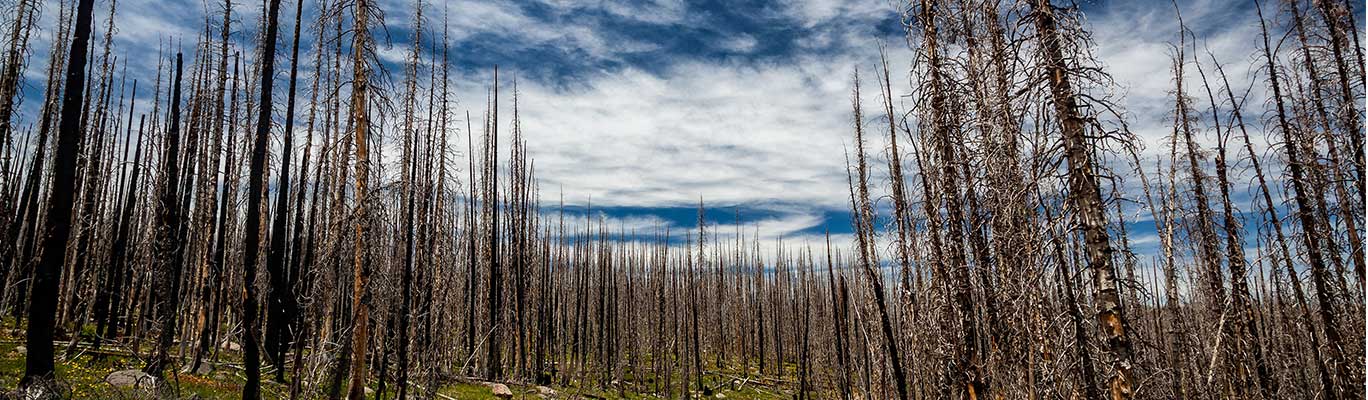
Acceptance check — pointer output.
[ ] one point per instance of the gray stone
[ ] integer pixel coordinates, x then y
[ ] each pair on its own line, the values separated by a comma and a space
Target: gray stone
545, 392
131, 378
204, 369
500, 390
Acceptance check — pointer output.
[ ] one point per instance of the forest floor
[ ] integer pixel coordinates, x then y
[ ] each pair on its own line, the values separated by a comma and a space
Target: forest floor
86, 374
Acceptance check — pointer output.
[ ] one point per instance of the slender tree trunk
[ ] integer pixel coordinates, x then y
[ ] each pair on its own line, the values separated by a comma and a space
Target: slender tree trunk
167, 272
360, 121
106, 307
281, 306
864, 225
1241, 300
494, 360
256, 186
1087, 202
1310, 226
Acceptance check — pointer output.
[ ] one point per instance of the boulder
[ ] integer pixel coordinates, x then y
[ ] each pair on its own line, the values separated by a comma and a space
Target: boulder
131, 378
500, 390
204, 369
545, 392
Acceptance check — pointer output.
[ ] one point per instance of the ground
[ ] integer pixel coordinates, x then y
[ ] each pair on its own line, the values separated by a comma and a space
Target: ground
83, 376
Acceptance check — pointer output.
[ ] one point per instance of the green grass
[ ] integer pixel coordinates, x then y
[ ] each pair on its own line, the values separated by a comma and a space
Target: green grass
83, 377
468, 391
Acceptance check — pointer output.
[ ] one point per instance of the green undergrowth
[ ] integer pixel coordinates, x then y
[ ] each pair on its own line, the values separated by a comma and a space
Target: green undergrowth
83, 376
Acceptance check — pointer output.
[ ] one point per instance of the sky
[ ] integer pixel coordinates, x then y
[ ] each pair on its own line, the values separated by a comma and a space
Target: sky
640, 109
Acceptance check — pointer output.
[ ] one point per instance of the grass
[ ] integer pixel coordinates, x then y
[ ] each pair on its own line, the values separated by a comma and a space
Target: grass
468, 391
83, 377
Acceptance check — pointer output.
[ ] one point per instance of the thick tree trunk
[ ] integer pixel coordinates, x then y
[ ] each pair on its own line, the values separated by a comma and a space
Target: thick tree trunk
38, 367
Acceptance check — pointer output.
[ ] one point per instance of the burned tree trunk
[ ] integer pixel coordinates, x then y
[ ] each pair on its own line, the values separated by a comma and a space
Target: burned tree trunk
494, 360
168, 224
255, 195
1310, 224
360, 120
281, 304
42, 314
864, 224
1086, 199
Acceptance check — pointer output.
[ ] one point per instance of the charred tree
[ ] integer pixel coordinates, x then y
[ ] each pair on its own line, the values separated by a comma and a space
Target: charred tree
256, 185
1086, 198
38, 365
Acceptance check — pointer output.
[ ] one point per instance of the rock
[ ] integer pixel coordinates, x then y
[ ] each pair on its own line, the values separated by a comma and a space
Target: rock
545, 391
204, 369
500, 390
719, 396
131, 378
231, 346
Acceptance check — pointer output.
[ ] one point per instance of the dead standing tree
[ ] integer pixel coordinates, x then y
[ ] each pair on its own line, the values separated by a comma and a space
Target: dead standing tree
38, 367
362, 48
868, 257
281, 303
167, 272
255, 195
576, 302
1085, 195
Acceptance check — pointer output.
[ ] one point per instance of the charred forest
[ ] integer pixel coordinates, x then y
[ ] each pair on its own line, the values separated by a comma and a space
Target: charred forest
279, 209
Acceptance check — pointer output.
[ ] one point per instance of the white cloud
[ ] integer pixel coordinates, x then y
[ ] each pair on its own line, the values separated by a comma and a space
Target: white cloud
814, 12
740, 44
733, 134
766, 134
516, 29
1136, 43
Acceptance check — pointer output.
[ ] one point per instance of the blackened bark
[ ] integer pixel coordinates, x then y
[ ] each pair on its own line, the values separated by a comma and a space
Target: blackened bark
1306, 214
168, 223
255, 187
106, 304
864, 223
494, 363
281, 306
39, 363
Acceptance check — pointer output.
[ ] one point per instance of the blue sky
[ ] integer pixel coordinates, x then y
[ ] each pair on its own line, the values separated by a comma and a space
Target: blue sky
643, 107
